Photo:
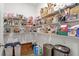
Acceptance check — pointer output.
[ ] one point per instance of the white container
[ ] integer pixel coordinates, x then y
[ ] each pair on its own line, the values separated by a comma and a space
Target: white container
9, 51
17, 49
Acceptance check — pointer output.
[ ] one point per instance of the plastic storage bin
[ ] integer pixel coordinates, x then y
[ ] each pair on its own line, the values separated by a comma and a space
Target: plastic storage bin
48, 49
9, 49
17, 48
60, 50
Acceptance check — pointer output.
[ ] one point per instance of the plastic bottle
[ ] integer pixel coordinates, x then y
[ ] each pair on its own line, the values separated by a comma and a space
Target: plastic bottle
40, 51
36, 50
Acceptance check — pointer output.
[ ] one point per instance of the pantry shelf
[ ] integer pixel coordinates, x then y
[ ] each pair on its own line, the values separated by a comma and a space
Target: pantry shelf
72, 21
56, 12
49, 15
53, 34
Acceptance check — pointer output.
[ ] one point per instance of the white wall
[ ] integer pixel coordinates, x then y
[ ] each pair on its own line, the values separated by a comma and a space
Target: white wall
1, 23
27, 9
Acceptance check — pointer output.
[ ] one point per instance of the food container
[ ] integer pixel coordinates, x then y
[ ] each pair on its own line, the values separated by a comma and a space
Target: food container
72, 32
62, 33
64, 28
45, 11
77, 32
16, 29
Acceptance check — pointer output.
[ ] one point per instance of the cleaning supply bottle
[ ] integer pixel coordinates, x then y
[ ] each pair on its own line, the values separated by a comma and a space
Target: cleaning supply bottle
36, 50
40, 51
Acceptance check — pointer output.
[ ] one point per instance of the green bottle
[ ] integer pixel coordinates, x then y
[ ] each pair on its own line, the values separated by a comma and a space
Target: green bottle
40, 52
